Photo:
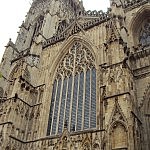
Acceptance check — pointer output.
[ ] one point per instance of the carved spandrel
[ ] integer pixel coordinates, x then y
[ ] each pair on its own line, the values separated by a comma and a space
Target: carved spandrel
116, 78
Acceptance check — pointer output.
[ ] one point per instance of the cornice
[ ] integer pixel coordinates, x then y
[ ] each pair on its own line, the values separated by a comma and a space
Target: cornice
132, 4
140, 52
56, 136
93, 18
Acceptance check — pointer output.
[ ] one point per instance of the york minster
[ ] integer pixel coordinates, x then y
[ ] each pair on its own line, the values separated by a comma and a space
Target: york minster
77, 79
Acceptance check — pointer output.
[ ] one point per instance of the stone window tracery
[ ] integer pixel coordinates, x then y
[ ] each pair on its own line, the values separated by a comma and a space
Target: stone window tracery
144, 38
74, 92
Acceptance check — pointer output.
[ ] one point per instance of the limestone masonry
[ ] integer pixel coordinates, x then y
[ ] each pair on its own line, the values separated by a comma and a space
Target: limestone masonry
77, 79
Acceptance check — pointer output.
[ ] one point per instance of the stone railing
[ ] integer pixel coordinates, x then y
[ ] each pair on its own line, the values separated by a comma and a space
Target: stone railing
131, 4
95, 18
141, 51
65, 141
139, 60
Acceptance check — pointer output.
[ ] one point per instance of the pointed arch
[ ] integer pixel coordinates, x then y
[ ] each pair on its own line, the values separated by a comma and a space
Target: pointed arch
17, 69
139, 19
118, 136
118, 130
117, 115
86, 143
15, 72
65, 47
74, 89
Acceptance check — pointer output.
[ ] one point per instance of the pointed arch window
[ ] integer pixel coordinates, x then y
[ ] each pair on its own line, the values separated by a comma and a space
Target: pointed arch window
74, 92
144, 38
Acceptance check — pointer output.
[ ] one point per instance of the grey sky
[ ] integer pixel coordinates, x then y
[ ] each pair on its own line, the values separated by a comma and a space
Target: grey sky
12, 13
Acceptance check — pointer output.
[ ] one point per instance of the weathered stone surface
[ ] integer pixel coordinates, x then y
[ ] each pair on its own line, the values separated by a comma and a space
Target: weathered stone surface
59, 40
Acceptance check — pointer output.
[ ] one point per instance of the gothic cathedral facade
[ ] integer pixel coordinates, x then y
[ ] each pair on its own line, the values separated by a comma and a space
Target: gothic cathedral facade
77, 79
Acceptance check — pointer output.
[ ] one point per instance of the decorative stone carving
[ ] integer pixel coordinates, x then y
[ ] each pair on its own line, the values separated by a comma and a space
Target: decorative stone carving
84, 59
96, 146
58, 20
112, 31
131, 4
77, 25
64, 143
117, 114
86, 146
118, 3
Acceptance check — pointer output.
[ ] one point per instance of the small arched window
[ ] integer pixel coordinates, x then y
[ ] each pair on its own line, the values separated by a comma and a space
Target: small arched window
74, 92
144, 38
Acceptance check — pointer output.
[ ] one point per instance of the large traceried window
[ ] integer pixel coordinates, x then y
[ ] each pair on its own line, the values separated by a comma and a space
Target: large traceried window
74, 92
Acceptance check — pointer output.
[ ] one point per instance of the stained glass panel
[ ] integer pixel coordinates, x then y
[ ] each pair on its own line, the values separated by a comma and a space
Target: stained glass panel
74, 94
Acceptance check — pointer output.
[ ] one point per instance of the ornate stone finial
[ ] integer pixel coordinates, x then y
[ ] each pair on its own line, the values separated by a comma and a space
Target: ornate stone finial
9, 43
116, 3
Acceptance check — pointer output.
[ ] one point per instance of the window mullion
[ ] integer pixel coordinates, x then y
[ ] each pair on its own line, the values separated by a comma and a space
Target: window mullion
90, 100
59, 107
65, 102
69, 128
51, 108
84, 86
68, 102
72, 95
93, 100
74, 99
55, 117
80, 101
77, 102
54, 107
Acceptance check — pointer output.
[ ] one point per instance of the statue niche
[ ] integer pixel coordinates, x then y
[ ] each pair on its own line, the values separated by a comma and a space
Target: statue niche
118, 137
